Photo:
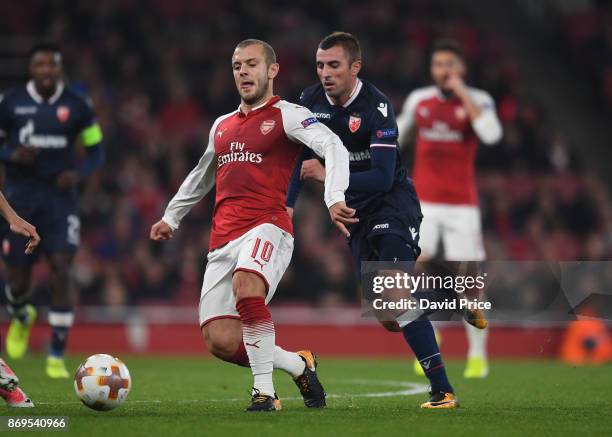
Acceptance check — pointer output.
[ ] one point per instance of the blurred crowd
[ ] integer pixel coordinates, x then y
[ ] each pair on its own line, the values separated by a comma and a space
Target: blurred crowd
587, 31
159, 74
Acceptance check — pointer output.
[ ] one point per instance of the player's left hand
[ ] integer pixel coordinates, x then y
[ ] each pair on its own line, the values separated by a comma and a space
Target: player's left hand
342, 215
67, 179
313, 169
21, 227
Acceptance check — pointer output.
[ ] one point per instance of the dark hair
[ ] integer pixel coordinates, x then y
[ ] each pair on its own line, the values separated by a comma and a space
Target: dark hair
44, 47
268, 50
347, 41
448, 45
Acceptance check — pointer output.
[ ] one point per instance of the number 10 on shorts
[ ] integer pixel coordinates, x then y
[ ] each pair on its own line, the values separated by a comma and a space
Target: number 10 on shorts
266, 251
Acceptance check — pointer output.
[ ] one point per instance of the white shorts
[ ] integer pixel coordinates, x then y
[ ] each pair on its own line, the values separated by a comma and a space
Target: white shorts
459, 228
264, 250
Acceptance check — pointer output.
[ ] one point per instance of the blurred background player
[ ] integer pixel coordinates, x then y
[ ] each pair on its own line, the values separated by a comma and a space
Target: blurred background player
41, 122
9, 390
451, 119
379, 188
250, 157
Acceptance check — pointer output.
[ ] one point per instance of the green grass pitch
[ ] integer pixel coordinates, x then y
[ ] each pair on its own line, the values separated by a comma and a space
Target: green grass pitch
201, 396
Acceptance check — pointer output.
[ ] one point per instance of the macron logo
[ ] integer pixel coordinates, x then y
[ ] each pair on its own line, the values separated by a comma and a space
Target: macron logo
381, 226
413, 232
382, 107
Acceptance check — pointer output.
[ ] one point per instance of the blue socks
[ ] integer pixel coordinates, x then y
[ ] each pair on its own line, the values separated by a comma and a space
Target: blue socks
59, 338
421, 337
60, 319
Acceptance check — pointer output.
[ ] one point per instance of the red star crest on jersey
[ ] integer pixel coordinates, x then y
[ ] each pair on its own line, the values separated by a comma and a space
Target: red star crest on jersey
63, 112
267, 126
354, 123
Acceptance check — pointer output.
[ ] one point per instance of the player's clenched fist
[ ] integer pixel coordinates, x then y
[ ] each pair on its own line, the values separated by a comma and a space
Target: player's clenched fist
342, 215
312, 169
161, 231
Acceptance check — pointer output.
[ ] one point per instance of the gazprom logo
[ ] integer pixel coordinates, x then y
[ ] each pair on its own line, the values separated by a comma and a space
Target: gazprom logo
28, 137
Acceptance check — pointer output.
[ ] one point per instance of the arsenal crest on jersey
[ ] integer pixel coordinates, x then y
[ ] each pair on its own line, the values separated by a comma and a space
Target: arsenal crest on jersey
267, 126
63, 112
354, 123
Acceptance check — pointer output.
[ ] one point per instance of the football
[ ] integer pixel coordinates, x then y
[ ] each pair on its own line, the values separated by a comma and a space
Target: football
102, 382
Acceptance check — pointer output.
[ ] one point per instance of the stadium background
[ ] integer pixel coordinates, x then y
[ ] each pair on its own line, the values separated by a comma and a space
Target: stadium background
159, 74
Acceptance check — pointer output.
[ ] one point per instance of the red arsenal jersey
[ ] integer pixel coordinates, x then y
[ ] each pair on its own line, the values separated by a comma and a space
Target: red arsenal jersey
251, 158
255, 160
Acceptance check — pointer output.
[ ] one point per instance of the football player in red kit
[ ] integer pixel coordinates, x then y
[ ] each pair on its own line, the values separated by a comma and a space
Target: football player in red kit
451, 119
250, 156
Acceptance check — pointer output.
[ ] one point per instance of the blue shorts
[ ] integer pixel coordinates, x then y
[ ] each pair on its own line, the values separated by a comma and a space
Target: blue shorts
402, 219
55, 215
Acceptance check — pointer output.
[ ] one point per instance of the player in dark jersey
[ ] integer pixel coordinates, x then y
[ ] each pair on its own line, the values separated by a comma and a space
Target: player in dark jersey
40, 123
379, 189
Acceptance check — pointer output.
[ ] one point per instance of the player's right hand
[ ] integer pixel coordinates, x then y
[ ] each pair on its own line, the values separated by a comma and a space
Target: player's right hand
456, 84
25, 155
342, 215
161, 231
21, 227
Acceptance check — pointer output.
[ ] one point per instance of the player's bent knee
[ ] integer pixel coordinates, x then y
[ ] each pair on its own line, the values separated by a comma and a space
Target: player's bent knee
222, 350
222, 338
247, 284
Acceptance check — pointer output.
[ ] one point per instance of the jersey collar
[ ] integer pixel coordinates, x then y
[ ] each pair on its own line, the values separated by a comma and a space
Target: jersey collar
271, 101
352, 96
59, 89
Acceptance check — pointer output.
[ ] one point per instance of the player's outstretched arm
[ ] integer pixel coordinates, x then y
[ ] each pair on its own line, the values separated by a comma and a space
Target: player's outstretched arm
19, 225
195, 186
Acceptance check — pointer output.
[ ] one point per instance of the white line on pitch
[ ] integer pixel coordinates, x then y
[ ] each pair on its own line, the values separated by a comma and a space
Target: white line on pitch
410, 388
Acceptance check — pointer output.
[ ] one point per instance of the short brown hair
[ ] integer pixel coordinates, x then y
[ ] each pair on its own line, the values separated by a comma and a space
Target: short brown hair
269, 53
347, 41
448, 45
